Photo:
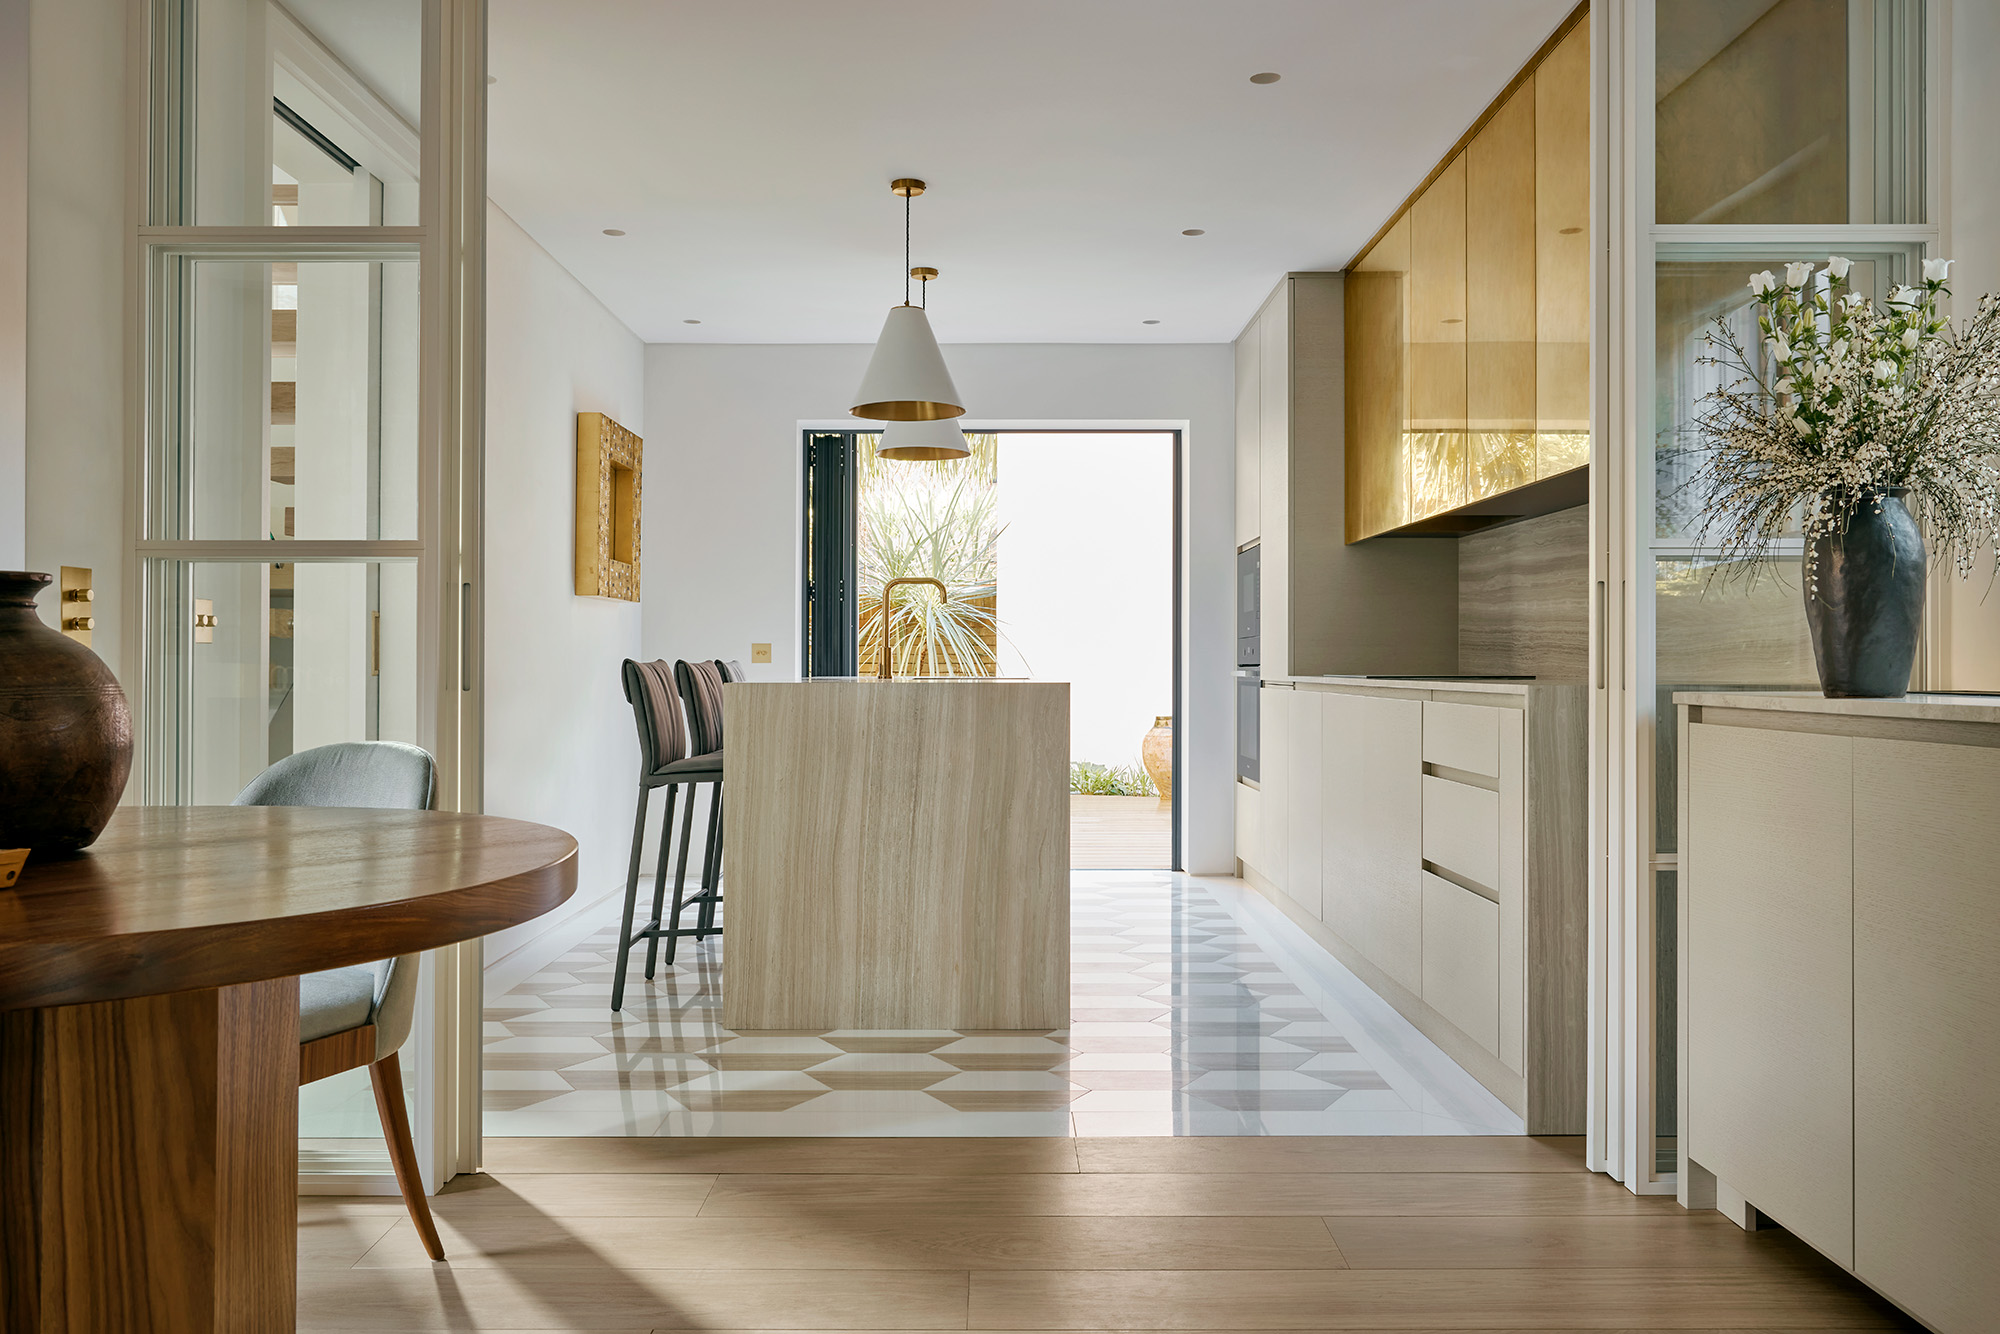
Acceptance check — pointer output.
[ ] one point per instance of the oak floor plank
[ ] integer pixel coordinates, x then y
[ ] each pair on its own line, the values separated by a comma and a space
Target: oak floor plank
630, 1194
1192, 1194
1695, 1240
330, 1239
1346, 1153
862, 1241
601, 1296
506, 1157
1349, 1299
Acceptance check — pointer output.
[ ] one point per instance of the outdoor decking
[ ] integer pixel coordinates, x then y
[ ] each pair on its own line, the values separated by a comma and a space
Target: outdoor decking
1120, 833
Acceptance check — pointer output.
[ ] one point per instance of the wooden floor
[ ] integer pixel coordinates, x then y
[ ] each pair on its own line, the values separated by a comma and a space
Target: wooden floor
616, 1235
1120, 833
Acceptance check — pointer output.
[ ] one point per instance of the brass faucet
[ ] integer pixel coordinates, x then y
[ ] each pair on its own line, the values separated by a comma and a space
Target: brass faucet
885, 662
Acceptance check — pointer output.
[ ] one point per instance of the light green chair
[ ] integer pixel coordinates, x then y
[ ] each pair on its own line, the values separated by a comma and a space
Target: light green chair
350, 1017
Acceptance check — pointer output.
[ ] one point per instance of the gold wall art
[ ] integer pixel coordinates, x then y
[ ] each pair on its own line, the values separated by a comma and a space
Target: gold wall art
607, 508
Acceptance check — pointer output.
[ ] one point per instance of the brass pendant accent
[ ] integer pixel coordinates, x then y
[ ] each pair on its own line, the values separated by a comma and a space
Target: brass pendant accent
907, 186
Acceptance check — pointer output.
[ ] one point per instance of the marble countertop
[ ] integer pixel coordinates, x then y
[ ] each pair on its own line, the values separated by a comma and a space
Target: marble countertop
1932, 708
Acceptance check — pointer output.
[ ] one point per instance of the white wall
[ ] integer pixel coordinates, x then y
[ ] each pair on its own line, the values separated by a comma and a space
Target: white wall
13, 283
1972, 238
722, 516
75, 507
560, 746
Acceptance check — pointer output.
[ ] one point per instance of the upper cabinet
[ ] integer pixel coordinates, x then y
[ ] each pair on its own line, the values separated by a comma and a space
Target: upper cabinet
1468, 322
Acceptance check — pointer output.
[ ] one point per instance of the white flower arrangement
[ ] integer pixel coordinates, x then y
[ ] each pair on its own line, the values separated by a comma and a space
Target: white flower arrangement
1861, 400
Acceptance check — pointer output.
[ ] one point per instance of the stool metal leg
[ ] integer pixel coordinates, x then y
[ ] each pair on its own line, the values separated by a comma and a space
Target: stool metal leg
652, 929
631, 897
711, 866
668, 925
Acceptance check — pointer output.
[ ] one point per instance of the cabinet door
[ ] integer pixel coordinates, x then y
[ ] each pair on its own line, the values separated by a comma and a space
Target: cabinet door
1274, 428
1249, 848
1274, 737
1377, 386
1436, 443
1768, 875
1462, 830
1462, 959
1371, 793
1562, 256
1303, 880
1500, 297
1249, 442
1926, 1055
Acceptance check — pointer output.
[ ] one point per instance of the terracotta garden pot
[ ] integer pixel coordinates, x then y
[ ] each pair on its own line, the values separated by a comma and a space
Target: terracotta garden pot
1157, 751
65, 731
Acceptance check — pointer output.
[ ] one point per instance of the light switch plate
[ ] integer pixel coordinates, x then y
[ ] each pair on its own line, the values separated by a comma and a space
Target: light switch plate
760, 653
76, 602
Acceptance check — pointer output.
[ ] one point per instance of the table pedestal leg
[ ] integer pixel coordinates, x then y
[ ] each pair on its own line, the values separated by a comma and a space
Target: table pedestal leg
149, 1163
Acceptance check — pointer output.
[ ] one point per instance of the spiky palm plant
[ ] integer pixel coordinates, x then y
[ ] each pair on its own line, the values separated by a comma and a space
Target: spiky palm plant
920, 523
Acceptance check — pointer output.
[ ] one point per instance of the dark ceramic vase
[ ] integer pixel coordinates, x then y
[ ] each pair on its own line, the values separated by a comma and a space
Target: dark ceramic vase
65, 732
1869, 607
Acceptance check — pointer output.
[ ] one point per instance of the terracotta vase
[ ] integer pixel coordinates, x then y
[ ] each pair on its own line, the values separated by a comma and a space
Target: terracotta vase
1157, 752
65, 731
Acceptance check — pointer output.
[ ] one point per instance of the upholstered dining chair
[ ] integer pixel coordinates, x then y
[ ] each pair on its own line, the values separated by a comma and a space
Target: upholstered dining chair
361, 1015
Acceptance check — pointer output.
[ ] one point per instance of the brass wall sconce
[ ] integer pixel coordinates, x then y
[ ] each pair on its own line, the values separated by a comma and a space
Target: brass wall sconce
608, 459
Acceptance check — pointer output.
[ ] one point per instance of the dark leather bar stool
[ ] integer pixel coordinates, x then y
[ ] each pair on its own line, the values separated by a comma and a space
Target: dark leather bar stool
664, 761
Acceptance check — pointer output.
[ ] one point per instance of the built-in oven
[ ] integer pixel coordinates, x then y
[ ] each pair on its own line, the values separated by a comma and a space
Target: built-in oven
1248, 594
1248, 685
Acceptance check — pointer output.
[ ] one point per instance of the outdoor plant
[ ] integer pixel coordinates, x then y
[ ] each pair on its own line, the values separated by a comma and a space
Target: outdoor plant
1100, 780
921, 523
1851, 401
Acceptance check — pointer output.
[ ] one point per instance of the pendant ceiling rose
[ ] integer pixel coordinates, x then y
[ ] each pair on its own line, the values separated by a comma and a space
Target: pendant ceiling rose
906, 380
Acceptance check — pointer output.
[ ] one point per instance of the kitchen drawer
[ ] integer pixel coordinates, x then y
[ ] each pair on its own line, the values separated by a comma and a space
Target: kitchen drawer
1462, 959
1462, 736
1462, 830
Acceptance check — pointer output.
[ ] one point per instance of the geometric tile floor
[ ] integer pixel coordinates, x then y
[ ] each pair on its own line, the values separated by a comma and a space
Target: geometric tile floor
1196, 1009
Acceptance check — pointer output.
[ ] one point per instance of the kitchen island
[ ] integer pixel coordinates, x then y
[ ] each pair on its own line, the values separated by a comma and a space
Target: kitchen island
897, 854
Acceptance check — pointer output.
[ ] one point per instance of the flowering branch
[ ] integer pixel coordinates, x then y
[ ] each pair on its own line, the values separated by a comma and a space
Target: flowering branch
1864, 400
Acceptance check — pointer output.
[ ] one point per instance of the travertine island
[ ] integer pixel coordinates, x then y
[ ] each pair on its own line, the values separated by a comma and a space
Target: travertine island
897, 854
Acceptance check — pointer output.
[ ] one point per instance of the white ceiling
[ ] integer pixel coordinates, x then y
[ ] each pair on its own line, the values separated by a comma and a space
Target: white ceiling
745, 148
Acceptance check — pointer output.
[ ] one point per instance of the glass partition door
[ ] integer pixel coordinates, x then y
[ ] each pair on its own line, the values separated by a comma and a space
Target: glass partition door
307, 515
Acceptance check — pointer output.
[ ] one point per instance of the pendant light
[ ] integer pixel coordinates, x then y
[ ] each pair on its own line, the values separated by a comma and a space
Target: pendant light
923, 442
906, 379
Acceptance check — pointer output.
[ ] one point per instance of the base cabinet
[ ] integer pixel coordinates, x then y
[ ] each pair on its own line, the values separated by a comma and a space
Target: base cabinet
1437, 848
1840, 982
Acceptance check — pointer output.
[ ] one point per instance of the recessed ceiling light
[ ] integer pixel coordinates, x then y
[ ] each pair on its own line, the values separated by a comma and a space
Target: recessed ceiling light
1195, 231
690, 321
1149, 321
1265, 77
613, 231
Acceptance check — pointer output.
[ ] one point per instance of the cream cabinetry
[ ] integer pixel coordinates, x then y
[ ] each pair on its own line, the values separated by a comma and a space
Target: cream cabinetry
1434, 842
1304, 768
1839, 980
1389, 606
1249, 439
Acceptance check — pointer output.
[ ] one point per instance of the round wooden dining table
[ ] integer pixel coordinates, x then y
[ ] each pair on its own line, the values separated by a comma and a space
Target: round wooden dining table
149, 1045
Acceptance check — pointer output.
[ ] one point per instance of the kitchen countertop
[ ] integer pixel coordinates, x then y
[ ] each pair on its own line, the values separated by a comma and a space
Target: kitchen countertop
1486, 685
1929, 708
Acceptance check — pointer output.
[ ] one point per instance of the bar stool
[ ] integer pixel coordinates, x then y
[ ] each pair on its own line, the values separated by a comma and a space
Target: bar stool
701, 695
664, 762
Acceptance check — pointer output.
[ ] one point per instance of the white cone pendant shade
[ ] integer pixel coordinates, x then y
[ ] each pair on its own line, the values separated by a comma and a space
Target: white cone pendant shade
907, 380
923, 442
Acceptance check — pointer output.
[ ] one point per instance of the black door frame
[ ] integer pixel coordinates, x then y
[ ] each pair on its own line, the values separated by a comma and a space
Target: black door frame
829, 636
